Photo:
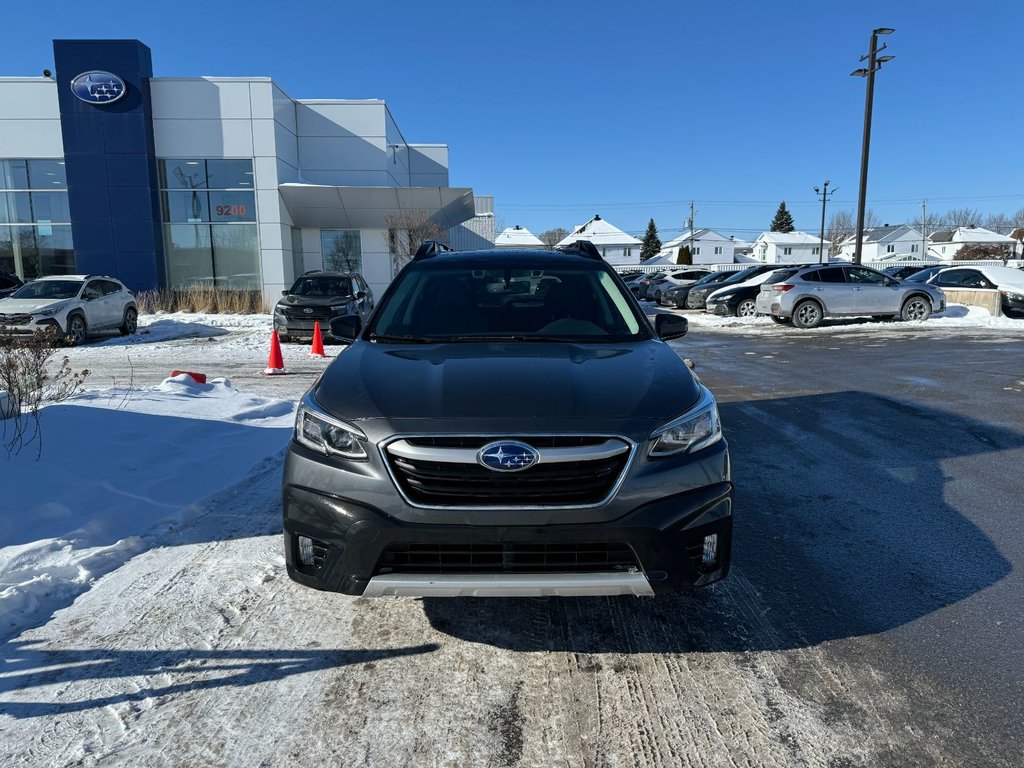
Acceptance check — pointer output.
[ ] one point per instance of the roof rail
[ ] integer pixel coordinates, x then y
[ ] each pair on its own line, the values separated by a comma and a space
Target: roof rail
582, 247
311, 271
430, 248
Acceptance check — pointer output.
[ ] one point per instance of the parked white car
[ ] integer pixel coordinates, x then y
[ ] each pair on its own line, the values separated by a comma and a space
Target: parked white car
1007, 280
75, 306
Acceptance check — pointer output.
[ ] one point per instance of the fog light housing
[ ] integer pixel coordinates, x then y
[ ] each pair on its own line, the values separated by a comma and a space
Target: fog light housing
306, 550
709, 557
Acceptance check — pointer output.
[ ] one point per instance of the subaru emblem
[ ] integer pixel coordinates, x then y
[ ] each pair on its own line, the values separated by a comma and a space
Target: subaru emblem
98, 87
507, 456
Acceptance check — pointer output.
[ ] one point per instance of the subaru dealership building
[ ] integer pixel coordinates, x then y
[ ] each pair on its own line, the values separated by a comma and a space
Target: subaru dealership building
173, 182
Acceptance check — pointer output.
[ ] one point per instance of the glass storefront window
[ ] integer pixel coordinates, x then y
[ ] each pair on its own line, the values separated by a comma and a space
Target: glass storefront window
191, 207
189, 254
31, 252
16, 208
182, 174
13, 174
7, 262
56, 255
47, 174
232, 206
50, 207
341, 250
236, 256
229, 174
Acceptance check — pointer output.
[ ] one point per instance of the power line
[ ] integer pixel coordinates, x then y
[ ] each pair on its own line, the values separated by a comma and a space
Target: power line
684, 203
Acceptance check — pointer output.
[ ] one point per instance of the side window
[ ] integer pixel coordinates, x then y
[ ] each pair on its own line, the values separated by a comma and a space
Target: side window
974, 279
93, 290
832, 275
953, 277
110, 287
863, 276
813, 277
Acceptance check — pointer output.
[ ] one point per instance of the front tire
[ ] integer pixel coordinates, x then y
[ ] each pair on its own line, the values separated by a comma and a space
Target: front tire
746, 308
77, 331
808, 314
916, 309
131, 322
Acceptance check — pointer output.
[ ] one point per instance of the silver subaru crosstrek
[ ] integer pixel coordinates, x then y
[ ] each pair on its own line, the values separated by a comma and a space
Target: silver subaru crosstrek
846, 290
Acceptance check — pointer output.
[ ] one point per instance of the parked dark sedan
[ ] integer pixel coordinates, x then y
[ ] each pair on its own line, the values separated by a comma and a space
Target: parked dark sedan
699, 293
741, 300
676, 297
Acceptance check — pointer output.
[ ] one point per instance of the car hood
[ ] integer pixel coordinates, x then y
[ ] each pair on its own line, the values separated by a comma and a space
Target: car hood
314, 301
498, 383
22, 306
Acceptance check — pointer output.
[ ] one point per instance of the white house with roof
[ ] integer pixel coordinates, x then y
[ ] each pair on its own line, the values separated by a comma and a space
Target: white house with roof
788, 248
616, 246
945, 243
883, 243
706, 247
518, 237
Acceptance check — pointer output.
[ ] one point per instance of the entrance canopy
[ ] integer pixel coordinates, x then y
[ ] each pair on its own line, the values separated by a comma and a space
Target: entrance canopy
326, 207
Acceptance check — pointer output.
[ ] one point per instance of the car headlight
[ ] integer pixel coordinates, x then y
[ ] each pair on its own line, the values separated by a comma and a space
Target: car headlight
698, 428
324, 434
339, 309
1012, 296
48, 312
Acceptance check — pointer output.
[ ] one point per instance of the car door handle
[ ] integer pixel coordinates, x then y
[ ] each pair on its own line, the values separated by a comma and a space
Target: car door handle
819, 289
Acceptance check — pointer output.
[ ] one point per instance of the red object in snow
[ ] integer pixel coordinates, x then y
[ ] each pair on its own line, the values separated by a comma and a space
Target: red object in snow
318, 342
275, 363
199, 378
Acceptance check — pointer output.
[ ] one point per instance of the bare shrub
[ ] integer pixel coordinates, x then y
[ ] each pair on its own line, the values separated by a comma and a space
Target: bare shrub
195, 298
406, 230
28, 380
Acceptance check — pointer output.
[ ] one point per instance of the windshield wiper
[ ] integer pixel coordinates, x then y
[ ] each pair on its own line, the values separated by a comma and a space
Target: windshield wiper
403, 339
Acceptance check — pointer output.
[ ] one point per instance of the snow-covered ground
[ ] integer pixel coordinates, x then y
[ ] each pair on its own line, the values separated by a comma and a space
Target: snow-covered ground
119, 469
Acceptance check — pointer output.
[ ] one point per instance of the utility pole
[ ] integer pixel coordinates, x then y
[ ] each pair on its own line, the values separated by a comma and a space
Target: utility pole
875, 63
692, 239
924, 231
824, 197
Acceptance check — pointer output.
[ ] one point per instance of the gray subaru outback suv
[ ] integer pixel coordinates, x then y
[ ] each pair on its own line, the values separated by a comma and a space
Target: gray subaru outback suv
507, 423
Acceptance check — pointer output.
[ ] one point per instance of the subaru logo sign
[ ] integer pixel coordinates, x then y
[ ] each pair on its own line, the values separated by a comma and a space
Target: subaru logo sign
508, 456
98, 87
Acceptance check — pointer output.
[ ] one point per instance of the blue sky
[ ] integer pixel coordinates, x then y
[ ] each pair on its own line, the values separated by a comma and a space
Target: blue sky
566, 109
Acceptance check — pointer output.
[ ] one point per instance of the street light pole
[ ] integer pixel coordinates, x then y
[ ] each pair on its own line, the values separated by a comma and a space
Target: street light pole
824, 197
875, 63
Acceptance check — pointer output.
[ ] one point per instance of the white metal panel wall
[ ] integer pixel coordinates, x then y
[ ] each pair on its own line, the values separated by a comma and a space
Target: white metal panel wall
29, 118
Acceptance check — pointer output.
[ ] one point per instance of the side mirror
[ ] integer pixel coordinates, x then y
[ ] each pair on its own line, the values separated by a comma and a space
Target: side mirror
345, 329
360, 295
284, 292
670, 326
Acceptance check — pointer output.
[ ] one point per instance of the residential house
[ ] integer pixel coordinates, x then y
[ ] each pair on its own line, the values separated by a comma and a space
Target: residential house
706, 247
946, 243
616, 246
886, 243
518, 237
788, 248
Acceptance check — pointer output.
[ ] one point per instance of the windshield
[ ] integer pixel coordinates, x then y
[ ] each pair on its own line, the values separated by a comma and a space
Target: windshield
322, 286
49, 290
922, 275
576, 302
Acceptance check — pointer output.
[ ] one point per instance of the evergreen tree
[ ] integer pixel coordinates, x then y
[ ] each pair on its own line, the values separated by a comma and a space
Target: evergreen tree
685, 256
651, 243
783, 221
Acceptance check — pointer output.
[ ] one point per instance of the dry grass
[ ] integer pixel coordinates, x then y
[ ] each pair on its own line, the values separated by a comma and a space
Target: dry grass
200, 299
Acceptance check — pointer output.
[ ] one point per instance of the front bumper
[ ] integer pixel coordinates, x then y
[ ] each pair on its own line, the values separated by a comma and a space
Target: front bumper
289, 326
351, 541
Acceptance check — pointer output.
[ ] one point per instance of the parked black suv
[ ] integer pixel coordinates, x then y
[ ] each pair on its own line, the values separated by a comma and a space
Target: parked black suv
319, 296
508, 423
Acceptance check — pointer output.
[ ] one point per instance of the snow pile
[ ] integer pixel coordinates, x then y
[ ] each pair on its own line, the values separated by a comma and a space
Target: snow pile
119, 467
189, 325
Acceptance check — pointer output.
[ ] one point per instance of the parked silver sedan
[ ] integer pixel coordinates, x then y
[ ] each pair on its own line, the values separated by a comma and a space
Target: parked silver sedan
846, 290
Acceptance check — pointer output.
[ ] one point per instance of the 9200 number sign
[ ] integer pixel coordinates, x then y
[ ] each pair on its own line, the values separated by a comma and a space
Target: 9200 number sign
231, 210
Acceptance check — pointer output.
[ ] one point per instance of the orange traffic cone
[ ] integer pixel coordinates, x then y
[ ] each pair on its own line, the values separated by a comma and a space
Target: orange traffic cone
318, 342
275, 363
